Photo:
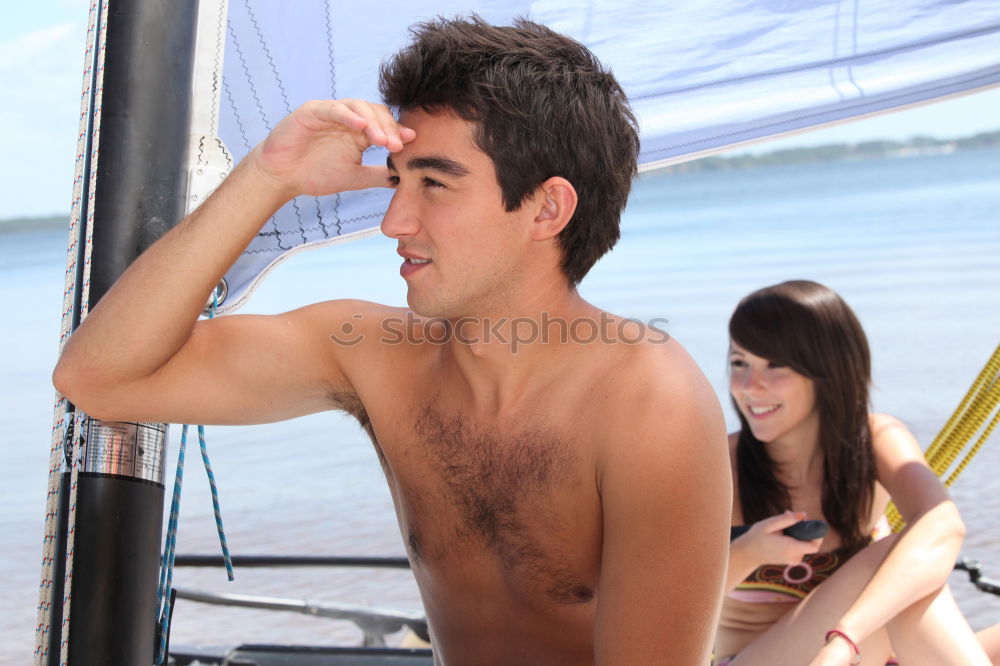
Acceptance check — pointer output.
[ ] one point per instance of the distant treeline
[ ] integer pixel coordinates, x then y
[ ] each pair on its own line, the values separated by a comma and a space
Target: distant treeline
920, 145
35, 223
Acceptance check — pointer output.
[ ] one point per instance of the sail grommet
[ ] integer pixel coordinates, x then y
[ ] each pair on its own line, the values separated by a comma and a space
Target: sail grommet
217, 297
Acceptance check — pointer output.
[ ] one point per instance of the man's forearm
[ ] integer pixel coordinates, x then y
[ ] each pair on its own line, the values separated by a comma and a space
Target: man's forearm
146, 317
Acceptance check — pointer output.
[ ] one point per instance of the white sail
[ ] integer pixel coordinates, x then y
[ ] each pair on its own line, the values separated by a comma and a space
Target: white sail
702, 76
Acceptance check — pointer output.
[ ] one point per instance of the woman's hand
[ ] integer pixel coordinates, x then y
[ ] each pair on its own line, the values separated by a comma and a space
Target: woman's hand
767, 545
317, 149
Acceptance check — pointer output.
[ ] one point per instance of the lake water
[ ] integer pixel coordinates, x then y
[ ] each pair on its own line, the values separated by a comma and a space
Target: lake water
913, 244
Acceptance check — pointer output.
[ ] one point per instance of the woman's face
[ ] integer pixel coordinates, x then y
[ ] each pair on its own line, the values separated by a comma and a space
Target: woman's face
775, 400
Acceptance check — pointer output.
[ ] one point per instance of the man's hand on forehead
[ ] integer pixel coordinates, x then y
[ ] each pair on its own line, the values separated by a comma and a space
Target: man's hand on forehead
317, 149
374, 120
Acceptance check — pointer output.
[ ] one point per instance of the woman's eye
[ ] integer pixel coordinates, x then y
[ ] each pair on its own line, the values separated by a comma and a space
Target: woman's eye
737, 363
775, 364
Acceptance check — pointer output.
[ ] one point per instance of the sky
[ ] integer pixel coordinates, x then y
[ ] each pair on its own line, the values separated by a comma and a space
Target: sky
41, 64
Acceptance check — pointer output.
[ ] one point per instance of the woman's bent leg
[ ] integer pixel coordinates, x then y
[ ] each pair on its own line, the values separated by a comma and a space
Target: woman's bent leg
933, 631
797, 638
989, 638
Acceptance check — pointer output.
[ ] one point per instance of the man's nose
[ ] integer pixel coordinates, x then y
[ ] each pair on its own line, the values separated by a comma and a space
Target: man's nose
401, 217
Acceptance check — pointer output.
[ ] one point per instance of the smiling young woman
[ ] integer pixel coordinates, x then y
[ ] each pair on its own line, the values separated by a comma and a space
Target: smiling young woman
809, 448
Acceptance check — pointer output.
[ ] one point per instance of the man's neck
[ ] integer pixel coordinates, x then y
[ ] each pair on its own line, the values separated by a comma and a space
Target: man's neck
510, 355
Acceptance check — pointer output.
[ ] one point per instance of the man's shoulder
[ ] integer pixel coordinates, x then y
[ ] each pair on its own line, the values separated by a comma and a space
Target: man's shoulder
663, 421
351, 309
364, 324
659, 386
661, 367
362, 335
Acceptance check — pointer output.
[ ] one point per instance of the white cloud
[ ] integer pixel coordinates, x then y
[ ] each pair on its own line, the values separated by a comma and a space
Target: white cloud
35, 42
40, 80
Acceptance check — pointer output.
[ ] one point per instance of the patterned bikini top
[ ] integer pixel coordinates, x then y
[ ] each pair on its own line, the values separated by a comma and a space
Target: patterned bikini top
789, 583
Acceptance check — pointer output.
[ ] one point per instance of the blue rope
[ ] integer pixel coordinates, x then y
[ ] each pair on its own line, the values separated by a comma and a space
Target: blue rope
169, 550
170, 546
215, 503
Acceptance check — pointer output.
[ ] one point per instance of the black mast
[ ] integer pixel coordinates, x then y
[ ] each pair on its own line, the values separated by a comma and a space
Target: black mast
141, 191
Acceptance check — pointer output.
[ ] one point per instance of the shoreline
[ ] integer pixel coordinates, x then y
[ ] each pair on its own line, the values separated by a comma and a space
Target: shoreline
34, 223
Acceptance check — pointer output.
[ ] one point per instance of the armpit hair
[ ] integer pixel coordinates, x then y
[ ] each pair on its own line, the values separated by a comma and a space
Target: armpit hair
351, 403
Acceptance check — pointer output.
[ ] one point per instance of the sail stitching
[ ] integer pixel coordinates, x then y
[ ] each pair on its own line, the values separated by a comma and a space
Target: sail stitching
333, 95
987, 78
832, 62
263, 115
836, 39
284, 100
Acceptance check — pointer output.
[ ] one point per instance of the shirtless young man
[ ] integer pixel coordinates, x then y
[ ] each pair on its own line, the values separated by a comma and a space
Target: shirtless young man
562, 503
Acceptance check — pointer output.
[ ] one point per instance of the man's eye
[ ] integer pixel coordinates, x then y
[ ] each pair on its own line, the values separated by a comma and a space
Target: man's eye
393, 181
430, 182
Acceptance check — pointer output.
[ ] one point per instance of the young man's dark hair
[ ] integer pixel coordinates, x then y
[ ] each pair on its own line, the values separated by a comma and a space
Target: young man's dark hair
542, 105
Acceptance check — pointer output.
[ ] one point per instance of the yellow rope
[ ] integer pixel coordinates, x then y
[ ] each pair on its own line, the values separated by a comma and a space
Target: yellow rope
975, 409
939, 448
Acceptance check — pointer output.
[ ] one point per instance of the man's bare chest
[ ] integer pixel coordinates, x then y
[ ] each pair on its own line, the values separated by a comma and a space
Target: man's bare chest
513, 503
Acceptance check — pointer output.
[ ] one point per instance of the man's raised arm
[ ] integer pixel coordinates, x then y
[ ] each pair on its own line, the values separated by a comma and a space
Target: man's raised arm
141, 354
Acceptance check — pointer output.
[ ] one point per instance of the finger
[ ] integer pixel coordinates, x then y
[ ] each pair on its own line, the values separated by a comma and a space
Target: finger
370, 176
407, 134
332, 112
782, 520
391, 127
380, 124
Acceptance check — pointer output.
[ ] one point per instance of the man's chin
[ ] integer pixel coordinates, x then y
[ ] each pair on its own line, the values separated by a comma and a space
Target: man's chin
422, 306
431, 307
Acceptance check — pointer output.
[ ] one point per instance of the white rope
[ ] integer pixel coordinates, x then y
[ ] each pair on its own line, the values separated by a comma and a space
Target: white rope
92, 80
79, 417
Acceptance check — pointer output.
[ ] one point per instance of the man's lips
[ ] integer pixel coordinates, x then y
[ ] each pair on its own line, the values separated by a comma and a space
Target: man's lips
412, 264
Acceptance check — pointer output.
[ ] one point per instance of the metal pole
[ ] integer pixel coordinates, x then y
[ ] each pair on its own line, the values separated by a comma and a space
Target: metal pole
141, 184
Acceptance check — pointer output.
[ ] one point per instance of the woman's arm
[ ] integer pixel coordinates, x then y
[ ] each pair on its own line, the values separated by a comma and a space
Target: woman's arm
924, 555
764, 543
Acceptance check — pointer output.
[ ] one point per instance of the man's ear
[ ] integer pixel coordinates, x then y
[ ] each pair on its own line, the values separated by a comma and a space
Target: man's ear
555, 203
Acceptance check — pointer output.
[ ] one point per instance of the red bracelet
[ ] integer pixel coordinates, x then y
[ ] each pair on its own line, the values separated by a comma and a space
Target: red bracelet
833, 633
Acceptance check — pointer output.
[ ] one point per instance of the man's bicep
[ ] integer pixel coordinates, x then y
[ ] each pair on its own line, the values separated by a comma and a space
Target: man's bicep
238, 369
666, 518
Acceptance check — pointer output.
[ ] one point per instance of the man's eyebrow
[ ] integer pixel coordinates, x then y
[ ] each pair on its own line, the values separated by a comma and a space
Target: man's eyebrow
433, 163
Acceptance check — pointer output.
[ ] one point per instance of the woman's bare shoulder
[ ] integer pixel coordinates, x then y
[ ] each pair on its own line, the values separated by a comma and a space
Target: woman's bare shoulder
879, 423
889, 434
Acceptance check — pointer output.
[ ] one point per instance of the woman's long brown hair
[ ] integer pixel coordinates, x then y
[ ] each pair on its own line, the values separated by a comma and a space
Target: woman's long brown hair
810, 328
